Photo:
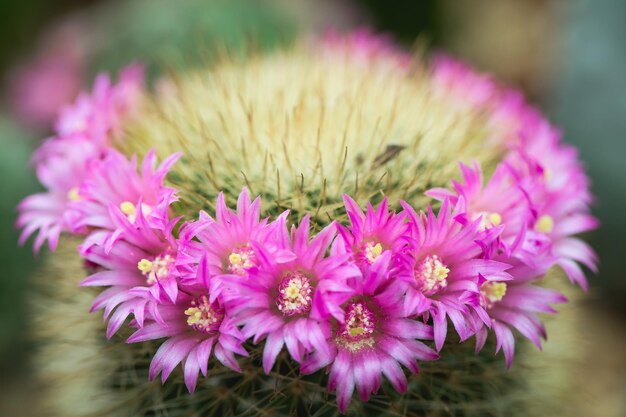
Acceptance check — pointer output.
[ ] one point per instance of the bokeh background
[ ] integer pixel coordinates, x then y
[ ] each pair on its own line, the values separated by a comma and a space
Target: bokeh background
569, 56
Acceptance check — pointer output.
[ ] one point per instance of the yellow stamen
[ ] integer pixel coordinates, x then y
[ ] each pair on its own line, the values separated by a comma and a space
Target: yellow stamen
498, 290
431, 274
292, 291
441, 272
493, 292
194, 314
545, 224
235, 259
488, 219
495, 219
128, 208
547, 174
73, 195
373, 251
356, 331
145, 266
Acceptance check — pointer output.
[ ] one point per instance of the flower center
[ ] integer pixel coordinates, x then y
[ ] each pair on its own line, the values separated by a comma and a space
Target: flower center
431, 274
356, 332
488, 220
204, 316
371, 251
130, 210
157, 269
294, 294
241, 260
492, 292
73, 194
547, 174
545, 224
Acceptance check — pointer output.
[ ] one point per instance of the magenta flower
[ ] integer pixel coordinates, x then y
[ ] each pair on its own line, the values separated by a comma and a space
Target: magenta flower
443, 266
114, 180
212, 250
97, 116
558, 189
468, 88
60, 171
502, 201
374, 339
372, 233
540, 152
514, 305
53, 76
193, 327
363, 45
139, 270
290, 301
555, 222
63, 162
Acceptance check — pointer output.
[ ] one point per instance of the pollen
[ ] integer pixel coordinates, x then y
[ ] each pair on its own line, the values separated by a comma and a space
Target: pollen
294, 294
156, 270
492, 292
73, 194
547, 174
356, 333
545, 224
372, 251
431, 274
144, 266
130, 210
488, 220
495, 219
235, 259
241, 260
204, 316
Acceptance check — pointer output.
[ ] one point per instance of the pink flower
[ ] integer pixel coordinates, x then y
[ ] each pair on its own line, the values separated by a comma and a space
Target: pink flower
53, 76
556, 222
502, 201
138, 271
114, 180
98, 116
60, 172
558, 190
289, 301
63, 162
372, 233
459, 83
443, 267
541, 153
363, 45
193, 327
213, 250
374, 339
514, 305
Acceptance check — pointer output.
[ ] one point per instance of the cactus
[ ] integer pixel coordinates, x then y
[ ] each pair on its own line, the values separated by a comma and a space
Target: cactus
301, 127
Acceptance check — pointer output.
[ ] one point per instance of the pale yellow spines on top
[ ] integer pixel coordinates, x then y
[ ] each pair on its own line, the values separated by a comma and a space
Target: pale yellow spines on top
301, 127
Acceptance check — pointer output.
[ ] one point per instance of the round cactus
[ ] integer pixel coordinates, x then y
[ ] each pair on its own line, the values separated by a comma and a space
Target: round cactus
319, 130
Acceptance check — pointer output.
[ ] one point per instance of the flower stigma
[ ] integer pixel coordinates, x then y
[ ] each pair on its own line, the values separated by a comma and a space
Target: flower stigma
130, 210
431, 274
157, 269
204, 316
294, 294
356, 332
241, 260
492, 292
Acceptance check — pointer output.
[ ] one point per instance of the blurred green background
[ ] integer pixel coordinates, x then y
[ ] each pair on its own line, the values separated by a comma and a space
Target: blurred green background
568, 56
